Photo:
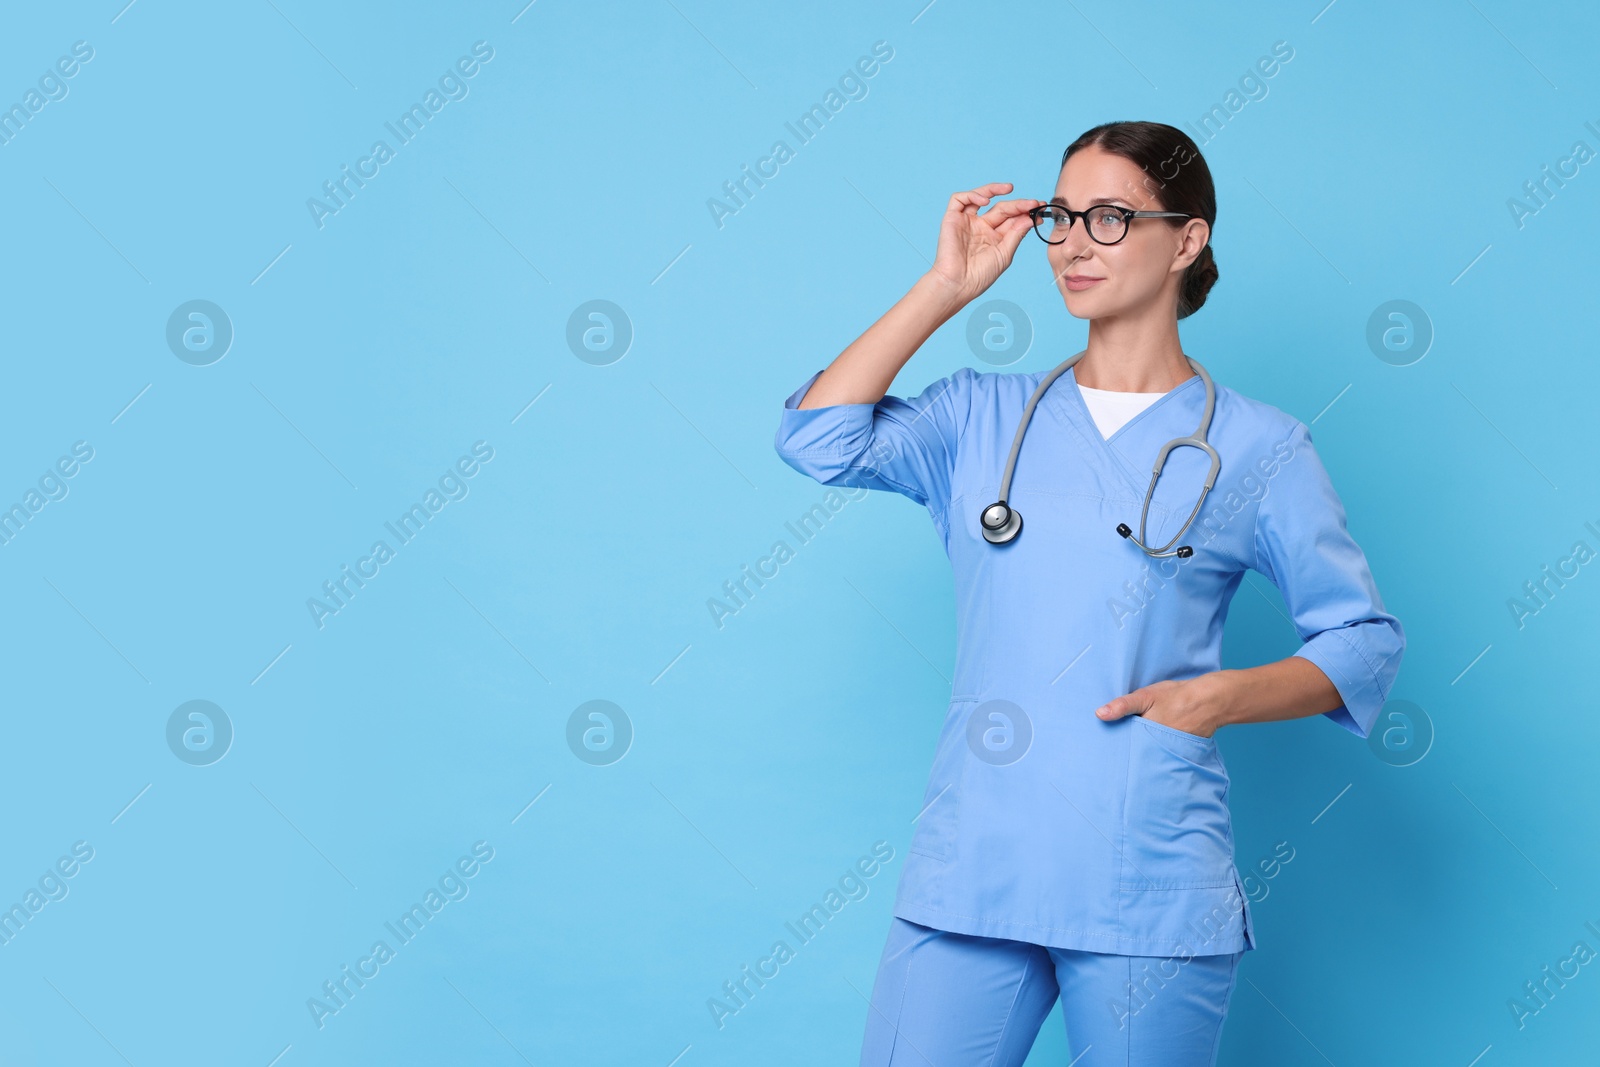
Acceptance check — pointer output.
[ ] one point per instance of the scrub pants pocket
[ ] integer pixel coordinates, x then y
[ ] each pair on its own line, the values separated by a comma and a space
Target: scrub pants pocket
944, 999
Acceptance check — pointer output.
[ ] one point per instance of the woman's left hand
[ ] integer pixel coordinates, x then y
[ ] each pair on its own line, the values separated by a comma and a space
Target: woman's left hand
1190, 705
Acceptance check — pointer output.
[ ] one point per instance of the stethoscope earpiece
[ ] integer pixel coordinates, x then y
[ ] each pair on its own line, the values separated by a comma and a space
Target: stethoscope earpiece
1001, 523
1184, 551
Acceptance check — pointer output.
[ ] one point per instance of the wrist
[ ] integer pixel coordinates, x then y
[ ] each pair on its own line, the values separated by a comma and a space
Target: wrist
1218, 697
942, 295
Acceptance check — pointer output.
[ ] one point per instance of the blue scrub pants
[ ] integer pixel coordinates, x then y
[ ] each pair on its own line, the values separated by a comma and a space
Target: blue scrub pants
943, 999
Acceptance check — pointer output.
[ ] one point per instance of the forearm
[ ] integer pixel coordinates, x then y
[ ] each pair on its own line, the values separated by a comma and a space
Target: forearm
862, 373
1291, 688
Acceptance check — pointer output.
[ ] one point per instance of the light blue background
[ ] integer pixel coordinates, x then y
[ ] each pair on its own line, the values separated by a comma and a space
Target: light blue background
768, 754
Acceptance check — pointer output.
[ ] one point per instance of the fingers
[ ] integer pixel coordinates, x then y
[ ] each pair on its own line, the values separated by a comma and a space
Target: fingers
1127, 704
972, 199
1013, 232
1010, 222
1004, 213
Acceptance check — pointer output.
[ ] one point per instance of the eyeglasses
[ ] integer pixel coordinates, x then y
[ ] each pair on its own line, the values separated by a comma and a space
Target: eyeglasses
1107, 223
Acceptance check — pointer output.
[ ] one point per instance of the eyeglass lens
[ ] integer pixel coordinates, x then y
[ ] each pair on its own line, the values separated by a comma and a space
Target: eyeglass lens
1105, 224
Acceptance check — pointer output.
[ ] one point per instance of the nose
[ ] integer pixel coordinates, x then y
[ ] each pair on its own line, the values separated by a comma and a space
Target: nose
1073, 249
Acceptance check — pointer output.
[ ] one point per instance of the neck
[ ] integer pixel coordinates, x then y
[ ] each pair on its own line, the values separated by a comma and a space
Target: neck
1129, 357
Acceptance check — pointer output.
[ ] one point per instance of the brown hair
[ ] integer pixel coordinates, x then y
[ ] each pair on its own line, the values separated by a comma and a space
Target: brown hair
1177, 176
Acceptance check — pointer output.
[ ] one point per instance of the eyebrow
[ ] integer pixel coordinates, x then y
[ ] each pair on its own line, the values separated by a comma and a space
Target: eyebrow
1103, 200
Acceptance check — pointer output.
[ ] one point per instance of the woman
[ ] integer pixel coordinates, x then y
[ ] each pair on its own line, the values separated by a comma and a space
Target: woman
1074, 839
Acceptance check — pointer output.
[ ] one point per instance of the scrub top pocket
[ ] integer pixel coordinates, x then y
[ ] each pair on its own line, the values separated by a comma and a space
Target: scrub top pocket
1209, 742
1177, 811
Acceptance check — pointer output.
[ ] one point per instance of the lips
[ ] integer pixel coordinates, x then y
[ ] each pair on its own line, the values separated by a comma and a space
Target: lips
1081, 281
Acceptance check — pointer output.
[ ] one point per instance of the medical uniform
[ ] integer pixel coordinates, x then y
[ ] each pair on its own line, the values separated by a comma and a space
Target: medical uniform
1109, 837
1054, 847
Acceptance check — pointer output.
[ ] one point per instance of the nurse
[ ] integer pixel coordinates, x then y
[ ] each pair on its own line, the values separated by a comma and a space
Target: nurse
1074, 840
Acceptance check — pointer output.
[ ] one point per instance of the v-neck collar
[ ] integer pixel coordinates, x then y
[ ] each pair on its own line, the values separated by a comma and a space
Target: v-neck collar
1069, 402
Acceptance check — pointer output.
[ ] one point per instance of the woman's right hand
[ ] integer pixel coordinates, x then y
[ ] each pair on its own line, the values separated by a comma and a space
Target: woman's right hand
974, 250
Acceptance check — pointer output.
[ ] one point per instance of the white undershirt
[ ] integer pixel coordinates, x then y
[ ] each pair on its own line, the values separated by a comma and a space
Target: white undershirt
1112, 409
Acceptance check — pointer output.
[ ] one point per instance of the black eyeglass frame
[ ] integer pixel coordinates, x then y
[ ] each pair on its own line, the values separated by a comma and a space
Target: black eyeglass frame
1128, 215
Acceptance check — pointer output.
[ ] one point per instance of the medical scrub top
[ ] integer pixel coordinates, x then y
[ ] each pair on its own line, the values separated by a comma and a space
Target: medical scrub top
1041, 822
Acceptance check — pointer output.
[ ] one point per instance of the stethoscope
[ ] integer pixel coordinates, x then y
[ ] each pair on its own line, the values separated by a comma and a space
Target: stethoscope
1001, 522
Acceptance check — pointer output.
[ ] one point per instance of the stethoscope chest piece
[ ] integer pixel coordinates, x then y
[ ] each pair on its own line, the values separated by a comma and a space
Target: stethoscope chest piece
1001, 523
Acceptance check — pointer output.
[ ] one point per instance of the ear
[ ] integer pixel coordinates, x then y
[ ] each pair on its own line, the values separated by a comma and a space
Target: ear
1195, 235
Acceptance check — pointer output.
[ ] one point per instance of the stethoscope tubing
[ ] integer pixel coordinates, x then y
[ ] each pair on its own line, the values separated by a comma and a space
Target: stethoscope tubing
1012, 524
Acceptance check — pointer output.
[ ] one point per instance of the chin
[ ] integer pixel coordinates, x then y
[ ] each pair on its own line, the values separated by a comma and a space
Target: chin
1084, 305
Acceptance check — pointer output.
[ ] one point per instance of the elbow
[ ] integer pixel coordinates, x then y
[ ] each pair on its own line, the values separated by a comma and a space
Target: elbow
821, 449
793, 458
1380, 642
824, 465
1362, 660
1390, 641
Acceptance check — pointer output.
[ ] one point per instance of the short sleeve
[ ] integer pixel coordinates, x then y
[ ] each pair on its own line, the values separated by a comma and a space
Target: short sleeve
1303, 547
906, 446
